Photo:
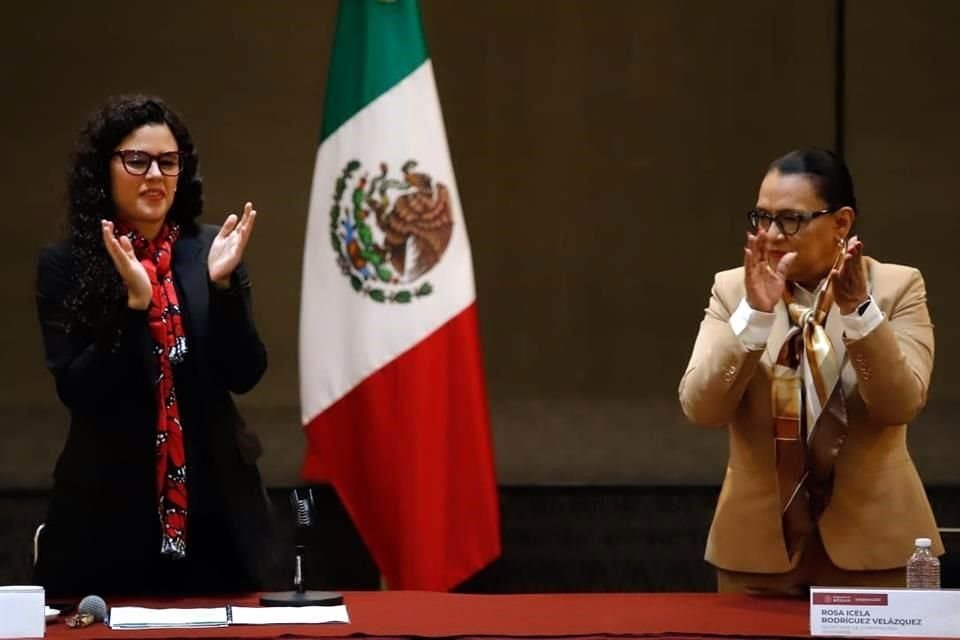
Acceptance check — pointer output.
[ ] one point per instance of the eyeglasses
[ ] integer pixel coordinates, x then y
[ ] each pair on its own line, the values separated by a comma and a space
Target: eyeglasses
789, 222
137, 163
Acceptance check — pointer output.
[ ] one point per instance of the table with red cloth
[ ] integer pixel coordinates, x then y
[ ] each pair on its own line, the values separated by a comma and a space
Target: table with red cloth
419, 614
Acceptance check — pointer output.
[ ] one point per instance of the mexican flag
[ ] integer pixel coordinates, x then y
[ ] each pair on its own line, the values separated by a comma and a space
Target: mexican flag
391, 376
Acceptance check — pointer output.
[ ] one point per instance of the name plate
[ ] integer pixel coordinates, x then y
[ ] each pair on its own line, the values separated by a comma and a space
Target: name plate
22, 612
918, 613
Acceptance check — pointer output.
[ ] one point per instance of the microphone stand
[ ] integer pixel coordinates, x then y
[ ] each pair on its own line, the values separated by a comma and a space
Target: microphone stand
300, 596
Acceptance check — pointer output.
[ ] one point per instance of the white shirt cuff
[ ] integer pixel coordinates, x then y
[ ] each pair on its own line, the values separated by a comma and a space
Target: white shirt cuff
856, 326
752, 327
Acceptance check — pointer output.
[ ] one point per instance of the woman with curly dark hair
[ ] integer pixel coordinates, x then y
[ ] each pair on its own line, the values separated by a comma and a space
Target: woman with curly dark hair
148, 328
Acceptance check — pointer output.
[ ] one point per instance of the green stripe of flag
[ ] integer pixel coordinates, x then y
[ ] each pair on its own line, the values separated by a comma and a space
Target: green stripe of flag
377, 43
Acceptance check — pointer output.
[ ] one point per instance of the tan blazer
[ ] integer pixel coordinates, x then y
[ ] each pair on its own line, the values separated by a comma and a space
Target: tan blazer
879, 505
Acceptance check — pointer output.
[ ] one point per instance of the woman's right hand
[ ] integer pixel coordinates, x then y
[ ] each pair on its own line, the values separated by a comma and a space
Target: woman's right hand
139, 290
764, 285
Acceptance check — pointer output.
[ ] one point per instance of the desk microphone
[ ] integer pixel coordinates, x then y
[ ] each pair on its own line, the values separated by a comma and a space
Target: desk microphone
303, 506
91, 609
302, 502
95, 606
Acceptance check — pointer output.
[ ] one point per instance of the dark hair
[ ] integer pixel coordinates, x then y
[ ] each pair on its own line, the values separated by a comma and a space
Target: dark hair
825, 169
99, 292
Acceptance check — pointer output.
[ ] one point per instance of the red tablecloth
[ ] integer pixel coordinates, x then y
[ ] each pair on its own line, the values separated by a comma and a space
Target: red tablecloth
404, 614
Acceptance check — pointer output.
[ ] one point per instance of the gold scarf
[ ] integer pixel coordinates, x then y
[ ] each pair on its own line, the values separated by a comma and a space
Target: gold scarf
806, 446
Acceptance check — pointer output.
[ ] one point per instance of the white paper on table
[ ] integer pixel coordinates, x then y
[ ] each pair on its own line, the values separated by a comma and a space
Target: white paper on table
21, 611
151, 618
289, 615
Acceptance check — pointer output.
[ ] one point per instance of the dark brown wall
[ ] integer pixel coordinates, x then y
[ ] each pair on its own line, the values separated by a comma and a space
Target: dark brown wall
903, 129
605, 151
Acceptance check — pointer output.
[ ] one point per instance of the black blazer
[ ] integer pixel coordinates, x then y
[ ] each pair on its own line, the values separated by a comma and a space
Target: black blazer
102, 528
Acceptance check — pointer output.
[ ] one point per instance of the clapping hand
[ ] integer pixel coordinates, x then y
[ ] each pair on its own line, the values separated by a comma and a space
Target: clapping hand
228, 247
764, 284
849, 282
133, 274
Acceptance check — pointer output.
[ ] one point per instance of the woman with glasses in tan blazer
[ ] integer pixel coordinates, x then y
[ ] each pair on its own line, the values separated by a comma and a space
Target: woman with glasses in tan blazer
814, 358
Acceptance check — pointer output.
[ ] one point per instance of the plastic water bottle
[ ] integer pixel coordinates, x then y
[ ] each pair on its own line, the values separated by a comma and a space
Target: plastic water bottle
923, 568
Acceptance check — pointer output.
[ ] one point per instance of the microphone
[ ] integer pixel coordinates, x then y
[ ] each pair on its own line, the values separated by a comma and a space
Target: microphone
91, 609
302, 502
95, 606
303, 507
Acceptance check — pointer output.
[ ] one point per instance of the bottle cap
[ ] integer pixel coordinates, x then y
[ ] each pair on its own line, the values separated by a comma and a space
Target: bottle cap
923, 542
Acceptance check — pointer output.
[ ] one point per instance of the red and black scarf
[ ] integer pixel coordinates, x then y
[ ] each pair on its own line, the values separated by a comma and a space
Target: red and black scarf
169, 348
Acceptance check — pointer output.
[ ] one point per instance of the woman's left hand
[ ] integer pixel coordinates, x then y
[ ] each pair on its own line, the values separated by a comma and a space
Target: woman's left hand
228, 247
849, 282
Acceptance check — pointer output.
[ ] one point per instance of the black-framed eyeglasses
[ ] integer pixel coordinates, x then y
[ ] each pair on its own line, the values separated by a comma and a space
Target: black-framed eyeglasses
788, 221
137, 163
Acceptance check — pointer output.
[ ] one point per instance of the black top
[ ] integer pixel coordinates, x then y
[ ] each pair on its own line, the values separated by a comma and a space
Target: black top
102, 530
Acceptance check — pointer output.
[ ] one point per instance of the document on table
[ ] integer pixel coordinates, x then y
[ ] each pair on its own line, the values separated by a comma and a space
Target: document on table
196, 618
289, 615
151, 618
